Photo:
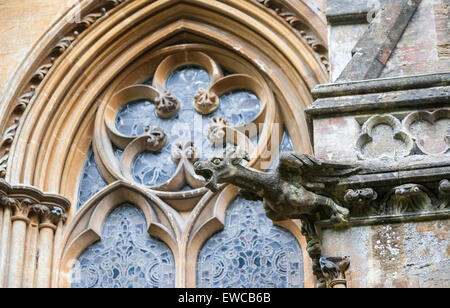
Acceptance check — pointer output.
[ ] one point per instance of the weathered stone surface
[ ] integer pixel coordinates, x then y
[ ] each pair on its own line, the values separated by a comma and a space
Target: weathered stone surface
379, 41
412, 254
424, 46
351, 11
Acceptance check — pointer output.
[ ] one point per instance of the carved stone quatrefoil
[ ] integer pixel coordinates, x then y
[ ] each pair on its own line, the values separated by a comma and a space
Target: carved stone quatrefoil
431, 130
382, 138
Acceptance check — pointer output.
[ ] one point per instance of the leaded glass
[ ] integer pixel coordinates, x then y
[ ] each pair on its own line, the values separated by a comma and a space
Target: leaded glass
126, 256
250, 252
153, 169
239, 107
134, 117
184, 82
91, 180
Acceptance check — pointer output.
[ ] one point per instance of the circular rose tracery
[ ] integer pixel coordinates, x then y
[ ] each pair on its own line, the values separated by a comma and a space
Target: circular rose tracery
171, 103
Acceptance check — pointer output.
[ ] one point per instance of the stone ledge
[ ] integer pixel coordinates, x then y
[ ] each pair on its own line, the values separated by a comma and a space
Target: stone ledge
381, 85
23, 191
385, 219
349, 11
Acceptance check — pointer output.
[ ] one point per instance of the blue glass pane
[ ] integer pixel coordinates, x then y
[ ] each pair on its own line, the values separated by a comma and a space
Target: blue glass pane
152, 169
239, 107
126, 256
132, 118
185, 82
285, 146
250, 253
91, 180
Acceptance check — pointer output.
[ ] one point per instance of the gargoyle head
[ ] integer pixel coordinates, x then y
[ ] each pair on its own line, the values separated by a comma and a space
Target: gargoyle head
221, 169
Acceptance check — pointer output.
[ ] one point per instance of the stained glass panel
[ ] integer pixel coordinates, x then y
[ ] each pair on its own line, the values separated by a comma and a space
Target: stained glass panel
126, 256
250, 253
91, 180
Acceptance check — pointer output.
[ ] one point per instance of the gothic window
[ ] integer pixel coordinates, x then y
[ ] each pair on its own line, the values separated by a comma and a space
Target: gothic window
250, 253
190, 107
126, 257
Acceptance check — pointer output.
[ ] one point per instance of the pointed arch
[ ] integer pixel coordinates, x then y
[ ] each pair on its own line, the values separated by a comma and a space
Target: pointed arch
85, 228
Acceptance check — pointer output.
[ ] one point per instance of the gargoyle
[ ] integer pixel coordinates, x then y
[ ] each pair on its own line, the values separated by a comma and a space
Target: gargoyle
295, 190
290, 192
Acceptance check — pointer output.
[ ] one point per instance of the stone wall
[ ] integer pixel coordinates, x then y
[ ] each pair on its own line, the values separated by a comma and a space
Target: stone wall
23, 23
395, 124
393, 255
423, 48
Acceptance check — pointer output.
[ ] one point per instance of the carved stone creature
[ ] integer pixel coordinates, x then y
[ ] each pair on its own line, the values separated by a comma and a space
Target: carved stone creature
409, 198
287, 192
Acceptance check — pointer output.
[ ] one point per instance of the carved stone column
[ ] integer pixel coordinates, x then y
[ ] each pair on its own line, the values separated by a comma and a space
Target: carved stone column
20, 220
29, 221
49, 220
7, 203
333, 269
31, 251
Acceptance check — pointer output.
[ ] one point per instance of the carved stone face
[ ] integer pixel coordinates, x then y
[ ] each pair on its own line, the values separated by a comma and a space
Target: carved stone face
221, 169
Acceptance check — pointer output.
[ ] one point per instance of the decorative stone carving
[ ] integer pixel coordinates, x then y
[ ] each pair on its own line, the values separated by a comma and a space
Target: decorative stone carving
216, 131
4, 165
444, 187
167, 105
49, 214
42, 71
361, 201
6, 201
90, 19
156, 138
409, 198
444, 193
431, 130
206, 102
10, 133
66, 42
22, 208
24, 100
333, 269
187, 150
288, 192
382, 138
282, 10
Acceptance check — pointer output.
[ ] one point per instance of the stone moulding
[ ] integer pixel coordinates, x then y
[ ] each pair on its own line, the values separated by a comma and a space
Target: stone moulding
368, 97
302, 26
35, 194
43, 68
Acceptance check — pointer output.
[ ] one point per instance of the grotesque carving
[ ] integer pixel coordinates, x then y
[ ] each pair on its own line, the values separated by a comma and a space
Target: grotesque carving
293, 191
444, 193
361, 201
409, 198
288, 192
